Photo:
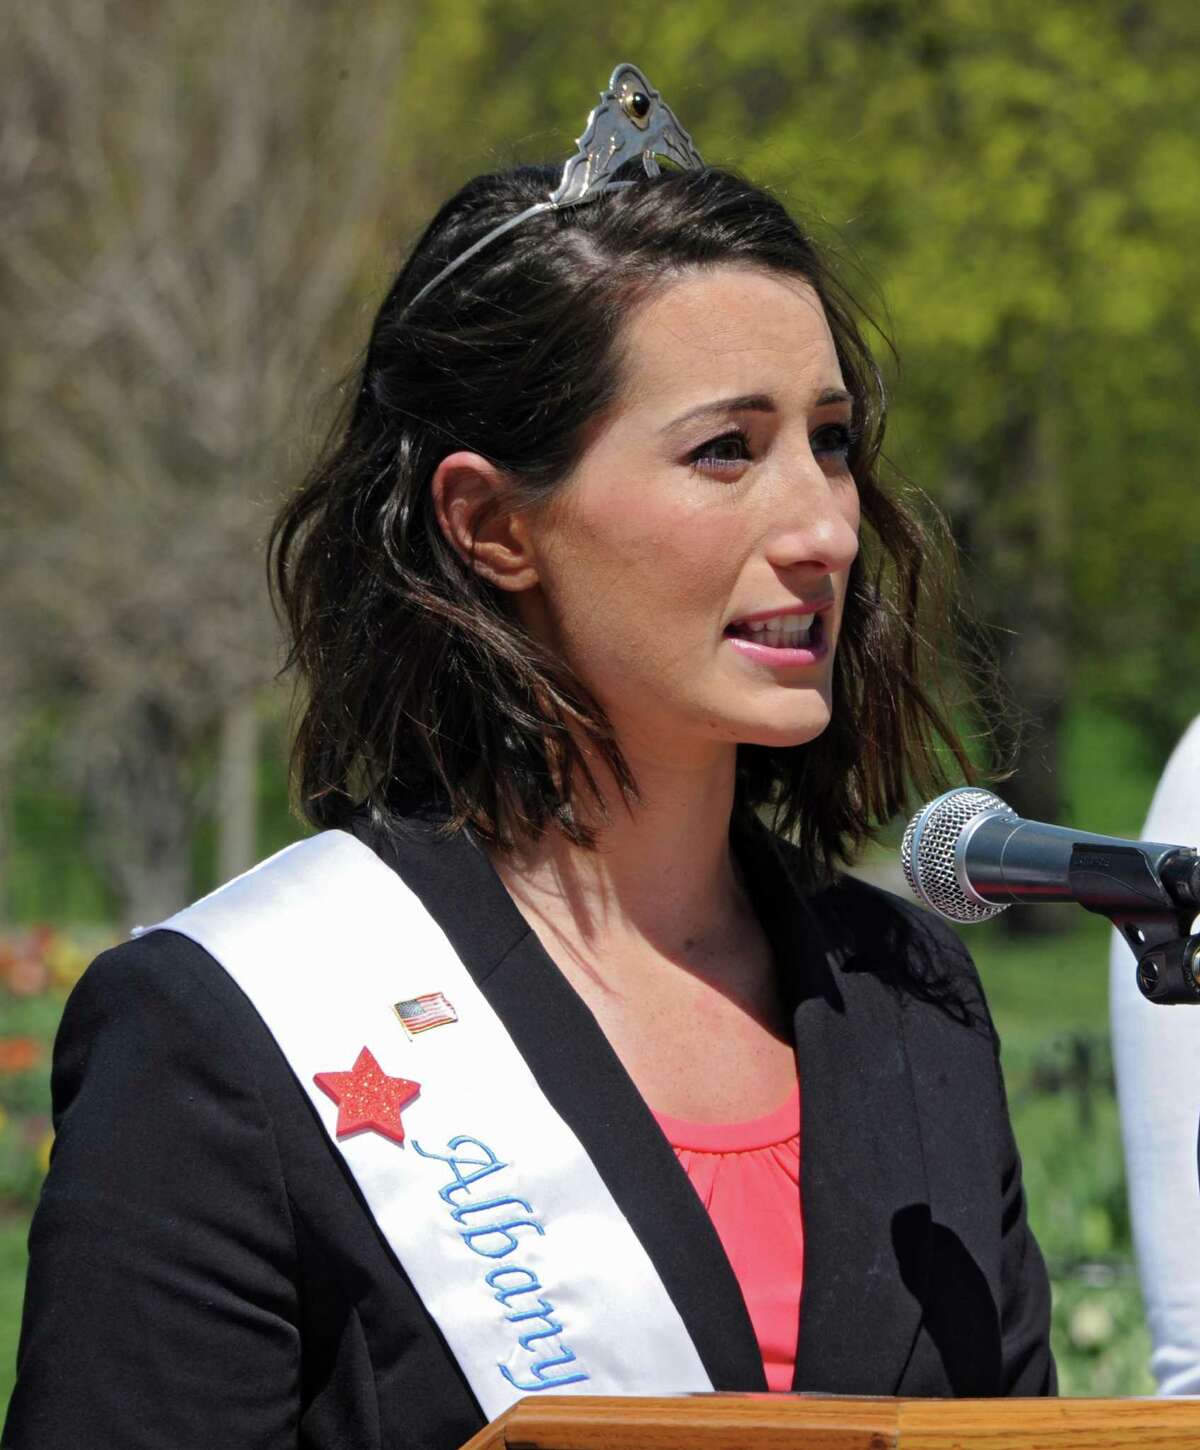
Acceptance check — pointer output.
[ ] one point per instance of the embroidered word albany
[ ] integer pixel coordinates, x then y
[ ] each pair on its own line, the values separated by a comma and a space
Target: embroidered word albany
515, 1287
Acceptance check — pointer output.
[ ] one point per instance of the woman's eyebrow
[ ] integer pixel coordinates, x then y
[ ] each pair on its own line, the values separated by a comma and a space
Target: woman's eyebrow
753, 403
747, 403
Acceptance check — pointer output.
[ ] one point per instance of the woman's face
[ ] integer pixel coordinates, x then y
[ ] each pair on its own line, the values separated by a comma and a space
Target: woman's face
693, 567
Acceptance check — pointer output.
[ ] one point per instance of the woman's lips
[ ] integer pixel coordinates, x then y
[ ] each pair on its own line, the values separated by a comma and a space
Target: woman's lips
782, 639
780, 659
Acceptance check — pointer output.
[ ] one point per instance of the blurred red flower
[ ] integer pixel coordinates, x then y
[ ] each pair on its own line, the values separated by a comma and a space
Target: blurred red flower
18, 1054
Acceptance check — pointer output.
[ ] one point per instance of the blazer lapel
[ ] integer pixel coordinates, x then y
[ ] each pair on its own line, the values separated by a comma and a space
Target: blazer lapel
863, 1187
586, 1083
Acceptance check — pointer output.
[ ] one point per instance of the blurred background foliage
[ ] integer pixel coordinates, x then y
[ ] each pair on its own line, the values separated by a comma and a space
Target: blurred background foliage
201, 205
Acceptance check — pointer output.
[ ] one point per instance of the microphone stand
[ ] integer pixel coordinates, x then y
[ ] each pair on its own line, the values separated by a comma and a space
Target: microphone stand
1152, 907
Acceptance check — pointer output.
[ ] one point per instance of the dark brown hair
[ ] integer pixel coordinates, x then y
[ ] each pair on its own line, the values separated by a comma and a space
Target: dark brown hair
422, 689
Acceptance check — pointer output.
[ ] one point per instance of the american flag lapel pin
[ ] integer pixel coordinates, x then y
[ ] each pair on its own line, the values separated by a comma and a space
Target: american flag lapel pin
419, 1014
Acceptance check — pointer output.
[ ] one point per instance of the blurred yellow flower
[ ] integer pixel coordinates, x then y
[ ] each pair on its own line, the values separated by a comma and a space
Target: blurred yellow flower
66, 960
1091, 1325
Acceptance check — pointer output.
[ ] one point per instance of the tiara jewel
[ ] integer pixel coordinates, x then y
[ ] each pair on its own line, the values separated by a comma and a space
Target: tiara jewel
631, 121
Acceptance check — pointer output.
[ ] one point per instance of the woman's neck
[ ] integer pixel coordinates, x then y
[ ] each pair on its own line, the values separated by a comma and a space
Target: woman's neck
662, 870
655, 932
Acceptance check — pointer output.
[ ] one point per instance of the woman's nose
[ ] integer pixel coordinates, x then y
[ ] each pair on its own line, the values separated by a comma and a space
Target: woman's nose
820, 527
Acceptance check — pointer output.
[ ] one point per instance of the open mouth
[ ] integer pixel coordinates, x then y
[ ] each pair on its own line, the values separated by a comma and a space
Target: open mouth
784, 631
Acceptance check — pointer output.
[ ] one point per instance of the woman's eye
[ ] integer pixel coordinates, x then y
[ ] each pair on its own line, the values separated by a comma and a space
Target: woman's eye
834, 438
727, 452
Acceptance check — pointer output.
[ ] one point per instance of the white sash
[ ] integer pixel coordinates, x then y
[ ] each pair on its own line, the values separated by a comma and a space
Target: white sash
498, 1216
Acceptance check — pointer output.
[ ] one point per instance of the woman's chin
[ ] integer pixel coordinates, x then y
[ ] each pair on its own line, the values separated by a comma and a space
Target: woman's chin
783, 734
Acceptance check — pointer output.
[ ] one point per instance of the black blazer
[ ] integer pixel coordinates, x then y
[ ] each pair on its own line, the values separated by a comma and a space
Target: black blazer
204, 1274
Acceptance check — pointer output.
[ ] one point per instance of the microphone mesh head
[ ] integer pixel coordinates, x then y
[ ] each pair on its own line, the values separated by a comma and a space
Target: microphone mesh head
930, 871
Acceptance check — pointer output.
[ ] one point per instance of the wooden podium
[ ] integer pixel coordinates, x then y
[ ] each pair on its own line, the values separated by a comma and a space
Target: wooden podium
800, 1422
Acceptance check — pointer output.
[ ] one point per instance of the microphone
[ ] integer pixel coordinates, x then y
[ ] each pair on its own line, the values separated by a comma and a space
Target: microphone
968, 856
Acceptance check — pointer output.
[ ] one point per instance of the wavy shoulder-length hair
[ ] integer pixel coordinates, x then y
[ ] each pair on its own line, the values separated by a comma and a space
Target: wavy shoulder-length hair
421, 689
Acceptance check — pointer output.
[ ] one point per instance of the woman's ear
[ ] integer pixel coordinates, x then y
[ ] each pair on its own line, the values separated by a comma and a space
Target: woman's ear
468, 497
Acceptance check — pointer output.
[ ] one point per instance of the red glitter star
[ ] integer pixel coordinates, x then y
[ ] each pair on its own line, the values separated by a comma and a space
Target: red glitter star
368, 1100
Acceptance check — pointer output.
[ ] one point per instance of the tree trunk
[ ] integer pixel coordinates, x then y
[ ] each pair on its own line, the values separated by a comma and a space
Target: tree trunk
237, 788
5, 904
136, 784
1011, 516
1029, 556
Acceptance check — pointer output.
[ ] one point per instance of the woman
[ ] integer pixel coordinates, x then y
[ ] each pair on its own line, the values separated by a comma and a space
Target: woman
495, 1086
1158, 1088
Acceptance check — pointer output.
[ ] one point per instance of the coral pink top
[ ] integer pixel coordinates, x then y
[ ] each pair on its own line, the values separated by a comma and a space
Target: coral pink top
748, 1177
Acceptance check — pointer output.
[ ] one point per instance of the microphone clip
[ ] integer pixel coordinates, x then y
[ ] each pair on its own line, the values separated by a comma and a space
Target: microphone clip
1155, 918
1168, 969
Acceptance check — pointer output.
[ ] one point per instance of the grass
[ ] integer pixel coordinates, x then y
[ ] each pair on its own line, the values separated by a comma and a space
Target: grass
12, 1289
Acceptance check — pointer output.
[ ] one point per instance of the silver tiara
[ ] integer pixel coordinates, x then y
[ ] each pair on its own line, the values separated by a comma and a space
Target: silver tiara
631, 120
